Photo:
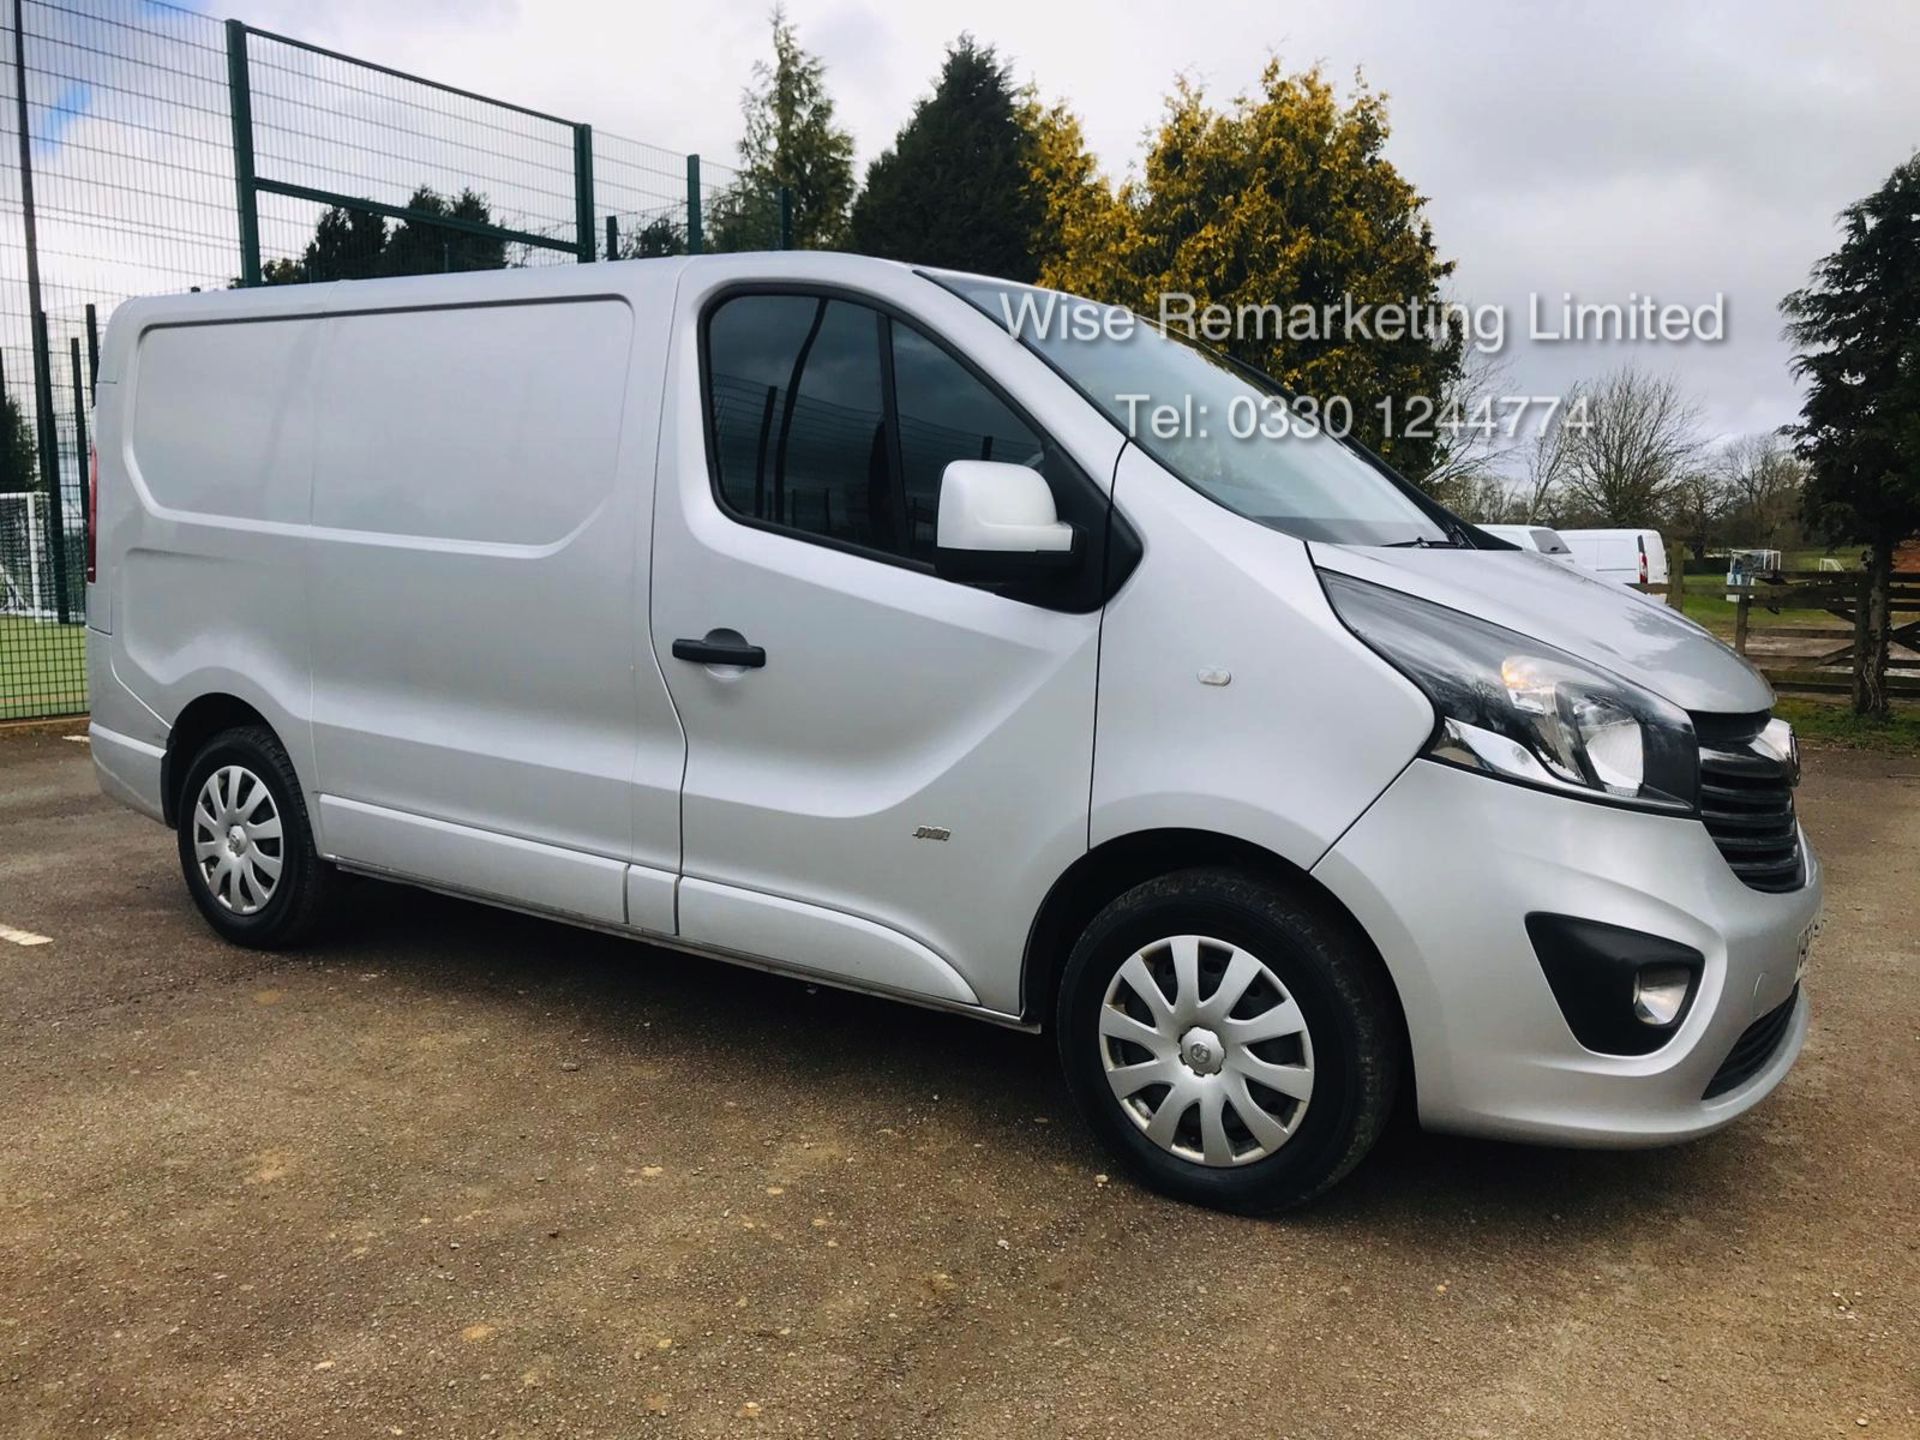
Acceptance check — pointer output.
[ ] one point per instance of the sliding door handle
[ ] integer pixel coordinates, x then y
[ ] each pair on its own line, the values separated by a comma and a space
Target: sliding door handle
720, 647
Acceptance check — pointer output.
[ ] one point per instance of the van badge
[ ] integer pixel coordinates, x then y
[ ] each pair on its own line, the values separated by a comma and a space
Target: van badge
1216, 677
932, 832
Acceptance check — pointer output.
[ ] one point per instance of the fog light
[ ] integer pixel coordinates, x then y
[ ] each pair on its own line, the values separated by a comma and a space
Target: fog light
1659, 992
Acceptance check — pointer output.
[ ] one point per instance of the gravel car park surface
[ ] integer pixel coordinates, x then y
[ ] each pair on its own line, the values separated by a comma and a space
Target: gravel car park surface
458, 1172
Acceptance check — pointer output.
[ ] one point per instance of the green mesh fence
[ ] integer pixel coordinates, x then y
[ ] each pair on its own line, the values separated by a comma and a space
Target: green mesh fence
168, 150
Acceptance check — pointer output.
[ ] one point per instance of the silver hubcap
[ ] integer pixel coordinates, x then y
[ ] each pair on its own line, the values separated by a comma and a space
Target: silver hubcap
1206, 1051
237, 839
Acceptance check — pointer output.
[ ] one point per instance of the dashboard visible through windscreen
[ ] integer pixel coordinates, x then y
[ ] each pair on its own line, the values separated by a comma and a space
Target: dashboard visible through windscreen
1225, 442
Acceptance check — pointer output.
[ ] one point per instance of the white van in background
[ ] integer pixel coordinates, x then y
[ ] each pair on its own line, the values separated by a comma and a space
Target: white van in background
1541, 539
801, 611
1633, 557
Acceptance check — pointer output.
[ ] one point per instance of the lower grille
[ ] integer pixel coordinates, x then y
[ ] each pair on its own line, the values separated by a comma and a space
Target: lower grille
1755, 1047
1746, 803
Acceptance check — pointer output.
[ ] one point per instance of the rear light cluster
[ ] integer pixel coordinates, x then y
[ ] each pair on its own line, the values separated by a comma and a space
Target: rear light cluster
93, 513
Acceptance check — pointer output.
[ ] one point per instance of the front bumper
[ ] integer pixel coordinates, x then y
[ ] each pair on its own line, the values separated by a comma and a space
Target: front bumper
1442, 872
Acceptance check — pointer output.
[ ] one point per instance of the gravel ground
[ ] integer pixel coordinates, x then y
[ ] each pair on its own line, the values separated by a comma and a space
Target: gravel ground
456, 1172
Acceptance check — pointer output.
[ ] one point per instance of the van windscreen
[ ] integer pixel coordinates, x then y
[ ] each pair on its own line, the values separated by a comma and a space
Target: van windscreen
1223, 428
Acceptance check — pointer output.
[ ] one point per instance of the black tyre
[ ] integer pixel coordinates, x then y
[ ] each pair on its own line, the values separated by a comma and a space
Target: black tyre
246, 846
1232, 1044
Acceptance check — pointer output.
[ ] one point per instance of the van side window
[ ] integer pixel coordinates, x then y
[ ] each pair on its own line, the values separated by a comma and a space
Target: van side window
799, 417
835, 421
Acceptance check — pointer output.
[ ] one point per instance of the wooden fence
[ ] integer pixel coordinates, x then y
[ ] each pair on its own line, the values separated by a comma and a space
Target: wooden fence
1785, 650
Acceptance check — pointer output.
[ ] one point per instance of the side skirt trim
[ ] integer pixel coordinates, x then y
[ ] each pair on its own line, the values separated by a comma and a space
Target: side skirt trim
705, 952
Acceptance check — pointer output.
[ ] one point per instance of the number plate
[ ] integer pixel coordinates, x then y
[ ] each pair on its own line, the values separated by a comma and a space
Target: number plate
1806, 950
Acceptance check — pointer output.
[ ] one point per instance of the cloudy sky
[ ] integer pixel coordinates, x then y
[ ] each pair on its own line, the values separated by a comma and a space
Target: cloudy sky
1606, 149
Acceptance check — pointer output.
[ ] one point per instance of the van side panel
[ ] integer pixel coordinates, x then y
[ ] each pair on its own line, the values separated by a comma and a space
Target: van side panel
205, 485
478, 612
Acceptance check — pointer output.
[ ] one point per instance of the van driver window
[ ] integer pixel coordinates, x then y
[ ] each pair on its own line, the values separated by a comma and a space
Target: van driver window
946, 415
804, 439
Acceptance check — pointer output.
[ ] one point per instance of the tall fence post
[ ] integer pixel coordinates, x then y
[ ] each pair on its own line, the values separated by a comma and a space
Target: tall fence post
693, 205
583, 191
93, 352
786, 217
240, 106
80, 447
47, 447
49, 451
613, 237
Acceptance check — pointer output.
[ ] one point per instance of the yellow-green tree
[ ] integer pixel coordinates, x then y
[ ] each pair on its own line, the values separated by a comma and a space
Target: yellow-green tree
1283, 198
1077, 244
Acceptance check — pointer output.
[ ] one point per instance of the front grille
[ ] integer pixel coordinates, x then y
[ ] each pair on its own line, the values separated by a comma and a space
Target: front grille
1746, 802
1754, 1048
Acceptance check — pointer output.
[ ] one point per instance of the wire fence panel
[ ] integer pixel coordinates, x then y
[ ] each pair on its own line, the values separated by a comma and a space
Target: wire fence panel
325, 124
640, 191
735, 213
132, 178
168, 150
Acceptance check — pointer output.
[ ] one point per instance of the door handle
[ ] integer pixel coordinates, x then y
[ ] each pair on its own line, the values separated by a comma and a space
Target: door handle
720, 647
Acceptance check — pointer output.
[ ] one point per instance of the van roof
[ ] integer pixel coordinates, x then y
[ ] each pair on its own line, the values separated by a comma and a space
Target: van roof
539, 282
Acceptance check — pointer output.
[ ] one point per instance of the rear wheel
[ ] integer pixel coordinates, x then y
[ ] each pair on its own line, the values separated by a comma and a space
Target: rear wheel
246, 847
1232, 1044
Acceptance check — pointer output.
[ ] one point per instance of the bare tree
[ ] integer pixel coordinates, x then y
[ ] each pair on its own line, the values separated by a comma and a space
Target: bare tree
1761, 477
1696, 504
1639, 437
1485, 499
1546, 456
1471, 441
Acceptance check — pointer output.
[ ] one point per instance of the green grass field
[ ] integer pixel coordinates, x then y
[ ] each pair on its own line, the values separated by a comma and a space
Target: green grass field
1707, 603
1830, 722
43, 668
1809, 559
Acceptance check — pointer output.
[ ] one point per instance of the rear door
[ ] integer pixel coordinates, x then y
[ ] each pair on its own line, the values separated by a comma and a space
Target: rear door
886, 799
1619, 558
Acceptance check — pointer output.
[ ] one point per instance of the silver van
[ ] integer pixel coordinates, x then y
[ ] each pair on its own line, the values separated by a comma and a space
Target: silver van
955, 641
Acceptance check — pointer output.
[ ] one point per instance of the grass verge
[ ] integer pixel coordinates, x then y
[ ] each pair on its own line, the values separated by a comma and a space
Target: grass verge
1712, 609
1830, 723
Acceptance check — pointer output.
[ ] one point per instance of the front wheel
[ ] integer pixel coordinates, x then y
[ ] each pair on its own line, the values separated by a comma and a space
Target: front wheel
246, 847
1232, 1044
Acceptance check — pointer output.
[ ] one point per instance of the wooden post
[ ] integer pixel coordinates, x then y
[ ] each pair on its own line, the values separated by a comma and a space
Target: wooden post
1740, 620
1677, 583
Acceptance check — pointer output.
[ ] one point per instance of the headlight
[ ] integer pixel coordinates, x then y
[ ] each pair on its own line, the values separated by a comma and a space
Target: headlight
1512, 707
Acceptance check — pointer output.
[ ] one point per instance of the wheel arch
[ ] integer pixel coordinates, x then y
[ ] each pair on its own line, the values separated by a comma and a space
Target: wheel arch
1110, 869
203, 718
